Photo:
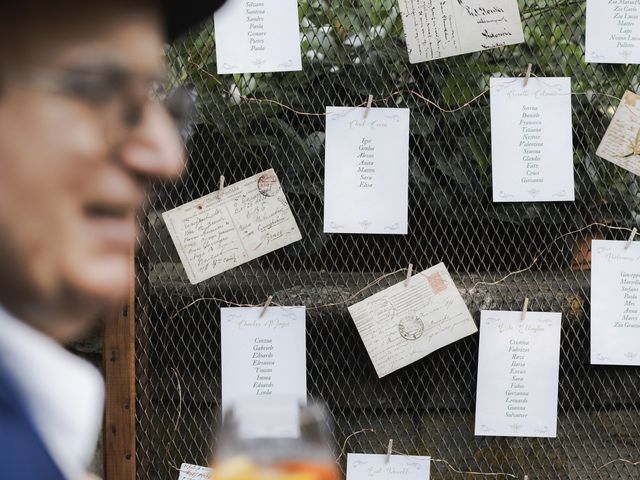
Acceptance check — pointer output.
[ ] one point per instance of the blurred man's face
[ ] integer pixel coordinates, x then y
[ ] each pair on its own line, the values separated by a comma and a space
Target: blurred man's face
74, 166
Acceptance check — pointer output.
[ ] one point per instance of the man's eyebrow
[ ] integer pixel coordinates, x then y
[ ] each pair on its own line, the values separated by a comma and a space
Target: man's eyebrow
108, 66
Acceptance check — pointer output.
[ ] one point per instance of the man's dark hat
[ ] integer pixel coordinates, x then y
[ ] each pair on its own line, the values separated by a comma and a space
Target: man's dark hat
184, 15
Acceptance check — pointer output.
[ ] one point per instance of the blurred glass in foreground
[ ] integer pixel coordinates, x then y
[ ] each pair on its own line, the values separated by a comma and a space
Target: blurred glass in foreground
274, 439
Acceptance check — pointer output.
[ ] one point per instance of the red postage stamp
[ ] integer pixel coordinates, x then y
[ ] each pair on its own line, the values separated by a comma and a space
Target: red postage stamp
437, 284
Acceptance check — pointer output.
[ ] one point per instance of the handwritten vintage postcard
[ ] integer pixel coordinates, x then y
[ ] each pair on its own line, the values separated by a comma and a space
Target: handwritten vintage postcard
444, 28
194, 472
621, 142
263, 357
615, 303
257, 36
518, 368
531, 140
362, 466
216, 233
405, 323
613, 31
366, 170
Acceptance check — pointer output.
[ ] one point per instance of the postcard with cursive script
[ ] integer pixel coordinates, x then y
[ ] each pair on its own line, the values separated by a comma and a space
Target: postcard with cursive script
366, 187
263, 357
613, 31
531, 140
216, 233
362, 466
615, 302
194, 472
518, 368
621, 142
407, 322
444, 28
257, 36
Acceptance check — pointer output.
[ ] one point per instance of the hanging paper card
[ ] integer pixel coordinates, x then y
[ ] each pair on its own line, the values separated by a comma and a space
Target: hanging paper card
398, 467
613, 31
615, 303
263, 356
405, 323
366, 170
621, 143
257, 36
518, 374
531, 140
443, 28
194, 472
218, 232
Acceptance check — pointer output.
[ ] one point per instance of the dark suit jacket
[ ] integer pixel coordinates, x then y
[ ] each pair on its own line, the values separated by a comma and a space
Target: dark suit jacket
23, 455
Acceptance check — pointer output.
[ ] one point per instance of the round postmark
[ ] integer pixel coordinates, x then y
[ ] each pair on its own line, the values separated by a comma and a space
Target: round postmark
411, 327
383, 310
268, 184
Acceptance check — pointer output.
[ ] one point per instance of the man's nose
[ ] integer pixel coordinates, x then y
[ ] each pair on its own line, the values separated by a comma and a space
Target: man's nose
154, 147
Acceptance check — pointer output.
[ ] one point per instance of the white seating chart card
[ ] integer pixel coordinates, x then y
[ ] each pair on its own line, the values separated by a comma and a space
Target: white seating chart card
531, 140
366, 170
613, 31
375, 467
405, 323
621, 143
518, 365
255, 36
444, 28
615, 303
194, 472
218, 232
263, 356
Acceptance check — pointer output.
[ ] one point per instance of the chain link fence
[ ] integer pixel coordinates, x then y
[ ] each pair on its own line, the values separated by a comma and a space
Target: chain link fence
352, 49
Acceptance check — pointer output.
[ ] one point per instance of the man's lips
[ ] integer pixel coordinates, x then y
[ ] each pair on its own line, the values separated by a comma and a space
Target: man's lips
112, 223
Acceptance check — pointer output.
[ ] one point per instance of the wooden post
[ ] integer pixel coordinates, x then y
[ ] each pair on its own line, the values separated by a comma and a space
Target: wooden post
119, 432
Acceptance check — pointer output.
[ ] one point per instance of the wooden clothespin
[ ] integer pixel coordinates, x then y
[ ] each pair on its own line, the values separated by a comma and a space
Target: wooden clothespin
631, 238
266, 305
526, 477
221, 189
389, 450
527, 76
525, 307
409, 272
369, 102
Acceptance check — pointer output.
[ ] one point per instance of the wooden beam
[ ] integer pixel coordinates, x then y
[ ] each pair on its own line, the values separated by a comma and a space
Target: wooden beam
119, 432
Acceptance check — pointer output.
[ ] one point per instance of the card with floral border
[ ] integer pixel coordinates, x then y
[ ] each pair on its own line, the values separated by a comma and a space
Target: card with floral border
613, 31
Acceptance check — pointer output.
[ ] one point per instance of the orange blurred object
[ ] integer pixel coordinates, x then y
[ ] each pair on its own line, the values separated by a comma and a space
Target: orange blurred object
242, 468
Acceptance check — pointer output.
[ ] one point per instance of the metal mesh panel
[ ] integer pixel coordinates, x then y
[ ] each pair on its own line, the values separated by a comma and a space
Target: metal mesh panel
350, 50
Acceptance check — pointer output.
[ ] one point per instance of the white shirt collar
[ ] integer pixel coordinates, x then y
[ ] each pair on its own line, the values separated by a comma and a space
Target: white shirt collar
64, 394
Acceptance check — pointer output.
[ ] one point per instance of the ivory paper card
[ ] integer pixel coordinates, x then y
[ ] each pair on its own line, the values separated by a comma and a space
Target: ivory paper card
405, 323
194, 472
257, 36
613, 31
218, 232
263, 356
375, 467
621, 143
531, 140
518, 368
615, 303
366, 170
444, 28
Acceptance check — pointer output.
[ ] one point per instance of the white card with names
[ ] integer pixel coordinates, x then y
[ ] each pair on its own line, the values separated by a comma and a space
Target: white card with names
444, 28
621, 142
194, 472
405, 323
399, 467
615, 303
218, 232
263, 356
613, 31
531, 140
366, 170
257, 36
518, 368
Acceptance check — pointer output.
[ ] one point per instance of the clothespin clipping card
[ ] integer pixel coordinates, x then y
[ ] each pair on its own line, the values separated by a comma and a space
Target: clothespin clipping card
409, 272
221, 189
369, 102
266, 305
389, 450
527, 75
631, 238
525, 307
